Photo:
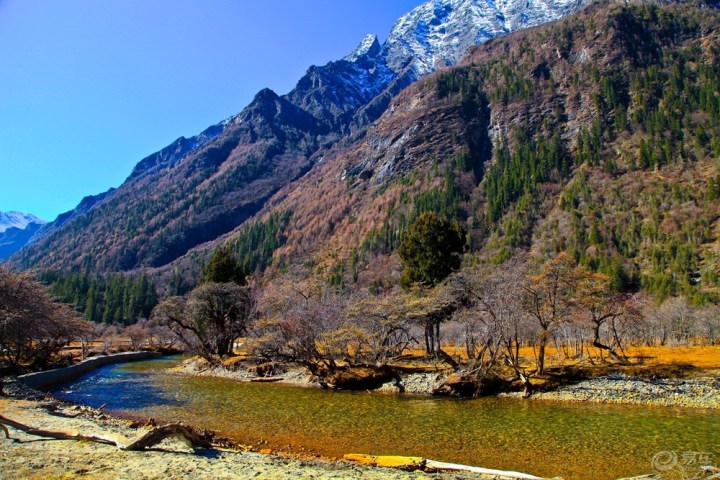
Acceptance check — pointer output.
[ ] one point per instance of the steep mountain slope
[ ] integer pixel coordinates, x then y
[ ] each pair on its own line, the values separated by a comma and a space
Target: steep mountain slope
16, 230
598, 135
198, 189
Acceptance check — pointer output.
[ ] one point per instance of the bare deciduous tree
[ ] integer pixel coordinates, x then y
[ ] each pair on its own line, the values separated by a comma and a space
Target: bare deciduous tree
497, 318
383, 328
210, 319
551, 299
33, 326
299, 322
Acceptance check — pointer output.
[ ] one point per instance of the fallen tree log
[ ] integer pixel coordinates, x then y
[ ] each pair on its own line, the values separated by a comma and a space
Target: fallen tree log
153, 437
433, 465
419, 463
388, 461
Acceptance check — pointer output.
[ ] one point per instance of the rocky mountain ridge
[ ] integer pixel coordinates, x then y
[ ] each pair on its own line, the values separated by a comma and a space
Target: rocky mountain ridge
200, 188
596, 135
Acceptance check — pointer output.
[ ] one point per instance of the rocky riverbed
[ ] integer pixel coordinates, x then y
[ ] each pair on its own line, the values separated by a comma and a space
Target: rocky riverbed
699, 392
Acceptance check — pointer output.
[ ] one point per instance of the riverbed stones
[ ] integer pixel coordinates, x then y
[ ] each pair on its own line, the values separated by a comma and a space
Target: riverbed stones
697, 392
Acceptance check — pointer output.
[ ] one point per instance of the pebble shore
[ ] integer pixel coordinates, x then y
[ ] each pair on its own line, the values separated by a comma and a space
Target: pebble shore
700, 392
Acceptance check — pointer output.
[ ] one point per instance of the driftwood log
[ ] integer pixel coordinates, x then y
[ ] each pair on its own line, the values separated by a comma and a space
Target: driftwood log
146, 440
419, 463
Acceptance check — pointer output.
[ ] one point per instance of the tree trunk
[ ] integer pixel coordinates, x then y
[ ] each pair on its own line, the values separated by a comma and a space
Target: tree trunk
541, 351
607, 348
438, 347
429, 339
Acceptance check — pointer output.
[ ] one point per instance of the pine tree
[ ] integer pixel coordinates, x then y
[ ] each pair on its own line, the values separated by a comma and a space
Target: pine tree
431, 250
224, 268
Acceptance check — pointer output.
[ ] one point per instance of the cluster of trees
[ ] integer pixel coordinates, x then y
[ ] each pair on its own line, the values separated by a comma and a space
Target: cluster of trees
212, 316
520, 169
257, 242
325, 330
313, 323
118, 299
36, 327
512, 308
444, 201
493, 314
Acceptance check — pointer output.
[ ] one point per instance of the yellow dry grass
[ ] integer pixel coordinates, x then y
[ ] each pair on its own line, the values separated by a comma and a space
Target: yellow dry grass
700, 357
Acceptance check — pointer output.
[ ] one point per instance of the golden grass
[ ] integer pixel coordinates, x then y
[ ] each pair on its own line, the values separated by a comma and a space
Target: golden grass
700, 357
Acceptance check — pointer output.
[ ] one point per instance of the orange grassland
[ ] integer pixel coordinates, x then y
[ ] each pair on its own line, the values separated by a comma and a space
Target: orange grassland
698, 357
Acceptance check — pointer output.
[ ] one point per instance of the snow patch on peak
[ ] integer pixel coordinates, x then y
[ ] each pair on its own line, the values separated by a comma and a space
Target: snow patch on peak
18, 220
438, 33
368, 46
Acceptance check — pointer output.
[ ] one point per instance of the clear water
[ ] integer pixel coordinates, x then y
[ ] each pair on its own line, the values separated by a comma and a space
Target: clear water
575, 441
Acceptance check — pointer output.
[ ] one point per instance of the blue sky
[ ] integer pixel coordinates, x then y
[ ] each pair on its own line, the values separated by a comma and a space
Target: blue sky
90, 87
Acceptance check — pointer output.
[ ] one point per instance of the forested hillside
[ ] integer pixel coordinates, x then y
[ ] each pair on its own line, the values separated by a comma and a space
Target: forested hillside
597, 135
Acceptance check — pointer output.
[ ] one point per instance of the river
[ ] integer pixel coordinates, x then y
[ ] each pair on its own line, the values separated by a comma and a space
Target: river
572, 440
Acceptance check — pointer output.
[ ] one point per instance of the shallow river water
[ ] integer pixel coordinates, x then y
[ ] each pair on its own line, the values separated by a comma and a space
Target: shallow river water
572, 440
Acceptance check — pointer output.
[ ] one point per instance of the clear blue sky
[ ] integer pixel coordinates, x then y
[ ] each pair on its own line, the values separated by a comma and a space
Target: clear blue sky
90, 87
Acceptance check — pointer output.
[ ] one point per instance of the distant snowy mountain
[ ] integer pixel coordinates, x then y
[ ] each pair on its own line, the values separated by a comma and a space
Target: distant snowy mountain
16, 229
18, 220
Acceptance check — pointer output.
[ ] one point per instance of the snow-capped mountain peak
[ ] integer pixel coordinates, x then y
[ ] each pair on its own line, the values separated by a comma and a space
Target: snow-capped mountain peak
369, 46
439, 32
18, 220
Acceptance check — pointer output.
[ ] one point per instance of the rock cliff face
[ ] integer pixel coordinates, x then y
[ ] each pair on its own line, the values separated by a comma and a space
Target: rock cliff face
198, 189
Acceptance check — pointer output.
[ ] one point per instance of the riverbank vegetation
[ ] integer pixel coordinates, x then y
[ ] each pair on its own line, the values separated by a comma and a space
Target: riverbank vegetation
34, 327
489, 330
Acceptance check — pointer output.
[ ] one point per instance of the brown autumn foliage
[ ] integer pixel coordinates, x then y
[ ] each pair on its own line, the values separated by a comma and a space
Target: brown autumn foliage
33, 326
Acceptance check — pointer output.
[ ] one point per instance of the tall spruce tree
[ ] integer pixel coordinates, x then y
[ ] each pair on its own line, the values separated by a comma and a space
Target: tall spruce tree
431, 250
223, 267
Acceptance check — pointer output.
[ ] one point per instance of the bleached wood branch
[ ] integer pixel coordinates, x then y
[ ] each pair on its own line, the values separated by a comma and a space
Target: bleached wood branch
146, 440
